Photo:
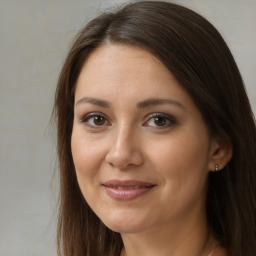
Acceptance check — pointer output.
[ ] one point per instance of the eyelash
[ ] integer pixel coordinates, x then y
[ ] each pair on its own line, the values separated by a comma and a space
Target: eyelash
167, 120
85, 119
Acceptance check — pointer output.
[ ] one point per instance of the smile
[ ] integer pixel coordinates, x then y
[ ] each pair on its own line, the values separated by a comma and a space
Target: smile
132, 187
127, 190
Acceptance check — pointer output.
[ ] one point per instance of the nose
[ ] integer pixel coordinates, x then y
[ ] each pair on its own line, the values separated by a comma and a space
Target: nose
125, 150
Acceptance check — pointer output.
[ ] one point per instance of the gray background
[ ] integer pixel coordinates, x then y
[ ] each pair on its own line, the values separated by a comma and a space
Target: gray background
34, 39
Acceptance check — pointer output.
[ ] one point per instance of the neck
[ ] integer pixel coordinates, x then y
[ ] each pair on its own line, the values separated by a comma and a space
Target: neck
192, 239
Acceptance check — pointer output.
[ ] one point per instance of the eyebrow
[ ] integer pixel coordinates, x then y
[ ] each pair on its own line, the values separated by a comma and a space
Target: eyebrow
141, 104
94, 101
154, 102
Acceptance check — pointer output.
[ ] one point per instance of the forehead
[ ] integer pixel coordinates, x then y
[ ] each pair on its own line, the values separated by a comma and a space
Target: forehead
121, 67
118, 58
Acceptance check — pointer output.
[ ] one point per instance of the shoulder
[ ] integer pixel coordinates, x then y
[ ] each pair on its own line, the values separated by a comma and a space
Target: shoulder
219, 251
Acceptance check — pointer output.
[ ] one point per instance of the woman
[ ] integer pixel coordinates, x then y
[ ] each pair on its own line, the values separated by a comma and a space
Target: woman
156, 139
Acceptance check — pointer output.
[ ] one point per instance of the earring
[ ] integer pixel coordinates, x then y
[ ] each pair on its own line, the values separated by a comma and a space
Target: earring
216, 167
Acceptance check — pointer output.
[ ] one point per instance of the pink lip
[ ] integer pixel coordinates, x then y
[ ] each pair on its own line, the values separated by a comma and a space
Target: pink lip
127, 190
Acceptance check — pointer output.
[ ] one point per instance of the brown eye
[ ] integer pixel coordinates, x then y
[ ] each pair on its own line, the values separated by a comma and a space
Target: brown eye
98, 120
95, 120
160, 121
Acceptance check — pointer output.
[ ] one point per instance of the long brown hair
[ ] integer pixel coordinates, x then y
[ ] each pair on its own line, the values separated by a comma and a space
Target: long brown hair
196, 54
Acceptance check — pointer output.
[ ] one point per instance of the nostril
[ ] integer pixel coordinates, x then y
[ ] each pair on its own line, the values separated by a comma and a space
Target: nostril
128, 159
124, 149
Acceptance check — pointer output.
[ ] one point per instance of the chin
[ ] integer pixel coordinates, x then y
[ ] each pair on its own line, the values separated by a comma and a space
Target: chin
126, 218
125, 225
125, 229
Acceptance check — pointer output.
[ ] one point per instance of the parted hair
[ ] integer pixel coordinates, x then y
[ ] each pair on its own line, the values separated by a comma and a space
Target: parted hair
196, 54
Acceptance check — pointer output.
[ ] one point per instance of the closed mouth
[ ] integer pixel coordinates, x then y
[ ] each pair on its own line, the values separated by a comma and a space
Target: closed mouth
127, 184
127, 190
130, 187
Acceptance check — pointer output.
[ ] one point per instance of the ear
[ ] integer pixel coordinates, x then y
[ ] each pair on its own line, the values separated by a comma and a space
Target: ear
221, 152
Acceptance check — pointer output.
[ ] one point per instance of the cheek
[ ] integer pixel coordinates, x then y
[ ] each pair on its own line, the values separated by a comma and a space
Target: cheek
182, 163
181, 154
182, 166
87, 157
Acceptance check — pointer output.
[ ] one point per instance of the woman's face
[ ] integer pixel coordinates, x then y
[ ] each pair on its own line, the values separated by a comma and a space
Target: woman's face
140, 147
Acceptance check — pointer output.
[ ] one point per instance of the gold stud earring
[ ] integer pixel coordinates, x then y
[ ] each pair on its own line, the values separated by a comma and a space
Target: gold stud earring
216, 167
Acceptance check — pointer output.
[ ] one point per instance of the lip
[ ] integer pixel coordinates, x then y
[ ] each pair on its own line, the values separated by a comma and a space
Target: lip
127, 189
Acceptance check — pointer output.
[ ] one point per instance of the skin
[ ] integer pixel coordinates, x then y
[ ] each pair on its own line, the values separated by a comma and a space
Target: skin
118, 137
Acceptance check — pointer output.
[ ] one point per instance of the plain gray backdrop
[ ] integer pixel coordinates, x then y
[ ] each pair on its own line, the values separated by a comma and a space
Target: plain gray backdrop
34, 38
